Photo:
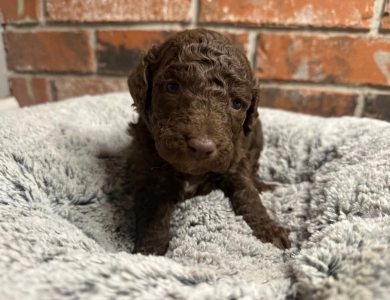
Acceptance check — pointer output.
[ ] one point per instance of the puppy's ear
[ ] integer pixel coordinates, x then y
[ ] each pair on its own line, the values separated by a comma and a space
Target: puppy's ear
251, 113
140, 81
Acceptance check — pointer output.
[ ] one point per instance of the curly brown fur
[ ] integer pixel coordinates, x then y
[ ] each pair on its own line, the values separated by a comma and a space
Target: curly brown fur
198, 130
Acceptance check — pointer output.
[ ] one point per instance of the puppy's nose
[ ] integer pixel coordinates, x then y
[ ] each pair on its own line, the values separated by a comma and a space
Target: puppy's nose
201, 148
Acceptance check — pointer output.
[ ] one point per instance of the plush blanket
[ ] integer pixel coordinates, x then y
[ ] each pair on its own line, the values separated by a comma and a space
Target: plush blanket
67, 225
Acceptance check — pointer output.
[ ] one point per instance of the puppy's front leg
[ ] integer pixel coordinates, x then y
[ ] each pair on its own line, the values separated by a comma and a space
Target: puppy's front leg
153, 213
239, 187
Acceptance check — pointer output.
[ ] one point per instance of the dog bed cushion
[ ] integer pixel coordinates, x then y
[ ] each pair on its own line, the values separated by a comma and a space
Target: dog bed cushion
67, 224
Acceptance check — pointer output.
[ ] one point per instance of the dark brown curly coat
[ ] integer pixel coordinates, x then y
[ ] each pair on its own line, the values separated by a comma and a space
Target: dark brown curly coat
198, 130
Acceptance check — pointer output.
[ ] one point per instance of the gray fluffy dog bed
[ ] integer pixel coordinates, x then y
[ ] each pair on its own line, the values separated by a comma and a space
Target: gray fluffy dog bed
66, 222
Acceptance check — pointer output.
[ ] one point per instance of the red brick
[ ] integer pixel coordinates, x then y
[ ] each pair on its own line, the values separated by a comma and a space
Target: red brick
30, 91
73, 87
313, 102
323, 58
118, 10
327, 13
240, 40
118, 51
63, 51
377, 106
21, 11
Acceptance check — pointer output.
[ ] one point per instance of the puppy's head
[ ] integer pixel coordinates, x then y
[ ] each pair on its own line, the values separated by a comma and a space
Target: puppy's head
197, 94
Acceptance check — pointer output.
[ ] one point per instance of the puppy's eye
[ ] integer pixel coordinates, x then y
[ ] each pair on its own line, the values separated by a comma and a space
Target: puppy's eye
236, 104
173, 88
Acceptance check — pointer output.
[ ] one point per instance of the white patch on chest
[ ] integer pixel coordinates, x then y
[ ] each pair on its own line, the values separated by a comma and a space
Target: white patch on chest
190, 188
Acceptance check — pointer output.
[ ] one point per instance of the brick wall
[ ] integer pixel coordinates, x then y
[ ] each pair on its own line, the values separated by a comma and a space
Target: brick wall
328, 57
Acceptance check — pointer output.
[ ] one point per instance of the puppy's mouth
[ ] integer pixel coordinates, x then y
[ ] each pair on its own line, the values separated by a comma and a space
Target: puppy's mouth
195, 156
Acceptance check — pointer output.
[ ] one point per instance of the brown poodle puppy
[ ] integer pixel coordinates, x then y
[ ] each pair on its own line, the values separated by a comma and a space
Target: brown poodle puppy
198, 130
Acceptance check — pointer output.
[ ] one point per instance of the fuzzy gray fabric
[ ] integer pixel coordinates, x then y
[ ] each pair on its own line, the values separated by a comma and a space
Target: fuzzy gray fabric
66, 221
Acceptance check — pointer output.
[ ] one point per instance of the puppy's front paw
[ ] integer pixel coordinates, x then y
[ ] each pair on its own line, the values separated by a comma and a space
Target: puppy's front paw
273, 233
150, 247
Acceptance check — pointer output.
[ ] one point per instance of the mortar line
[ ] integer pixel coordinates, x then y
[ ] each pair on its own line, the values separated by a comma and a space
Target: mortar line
302, 29
96, 26
182, 25
252, 45
59, 75
359, 109
42, 21
324, 86
379, 7
93, 43
310, 86
53, 90
3, 63
194, 12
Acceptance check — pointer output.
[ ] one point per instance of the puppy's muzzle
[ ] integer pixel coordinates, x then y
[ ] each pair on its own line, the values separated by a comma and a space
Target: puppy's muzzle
201, 148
